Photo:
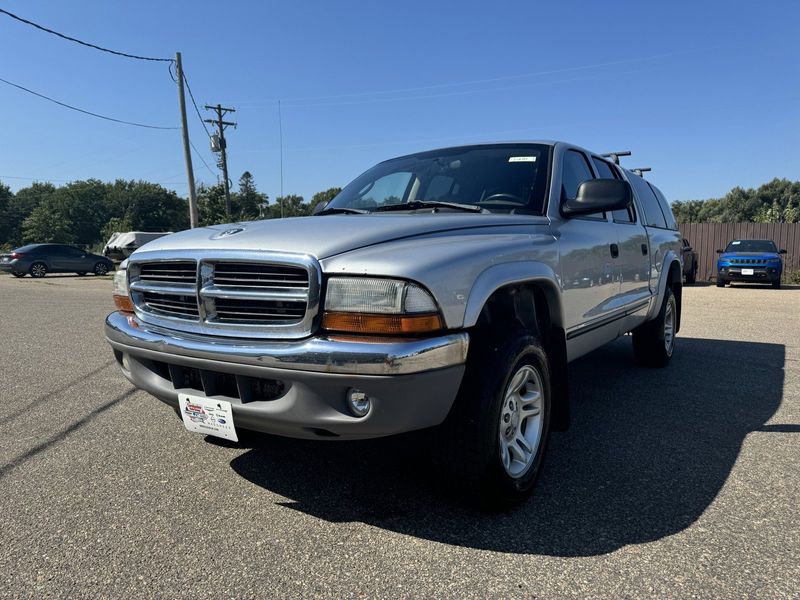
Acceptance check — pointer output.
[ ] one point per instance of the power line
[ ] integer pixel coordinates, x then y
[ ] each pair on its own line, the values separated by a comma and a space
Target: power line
86, 112
196, 109
200, 156
77, 41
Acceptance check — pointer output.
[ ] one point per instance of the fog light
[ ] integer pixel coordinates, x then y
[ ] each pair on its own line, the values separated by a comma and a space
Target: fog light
358, 402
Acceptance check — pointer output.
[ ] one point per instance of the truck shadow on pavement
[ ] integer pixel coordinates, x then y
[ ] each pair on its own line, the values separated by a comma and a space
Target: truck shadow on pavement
647, 452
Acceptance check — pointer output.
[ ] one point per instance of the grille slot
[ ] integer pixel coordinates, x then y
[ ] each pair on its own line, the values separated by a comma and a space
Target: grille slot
259, 311
252, 275
182, 307
169, 272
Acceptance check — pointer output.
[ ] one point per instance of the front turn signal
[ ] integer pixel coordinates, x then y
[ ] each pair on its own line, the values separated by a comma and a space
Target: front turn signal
123, 304
343, 322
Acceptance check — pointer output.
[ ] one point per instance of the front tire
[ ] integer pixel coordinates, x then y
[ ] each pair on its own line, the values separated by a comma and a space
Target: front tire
496, 434
720, 282
16, 274
38, 270
654, 341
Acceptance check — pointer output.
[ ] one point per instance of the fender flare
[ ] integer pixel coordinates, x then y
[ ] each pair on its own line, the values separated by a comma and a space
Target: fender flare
669, 258
502, 275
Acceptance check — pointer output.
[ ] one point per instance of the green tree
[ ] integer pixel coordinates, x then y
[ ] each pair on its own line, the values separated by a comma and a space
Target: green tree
324, 196
777, 201
49, 222
288, 206
249, 198
19, 208
211, 205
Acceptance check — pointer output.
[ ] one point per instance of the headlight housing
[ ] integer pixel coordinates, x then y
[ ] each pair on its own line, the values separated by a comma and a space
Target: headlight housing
122, 298
385, 306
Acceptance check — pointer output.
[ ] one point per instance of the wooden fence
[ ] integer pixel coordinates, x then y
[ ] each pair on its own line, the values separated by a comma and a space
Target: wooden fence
705, 238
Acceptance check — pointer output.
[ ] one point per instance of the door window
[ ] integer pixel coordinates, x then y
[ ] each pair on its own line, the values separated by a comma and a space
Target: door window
576, 170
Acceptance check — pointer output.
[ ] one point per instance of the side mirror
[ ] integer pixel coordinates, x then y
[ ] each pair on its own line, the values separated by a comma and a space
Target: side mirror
598, 195
782, 251
719, 251
320, 207
688, 248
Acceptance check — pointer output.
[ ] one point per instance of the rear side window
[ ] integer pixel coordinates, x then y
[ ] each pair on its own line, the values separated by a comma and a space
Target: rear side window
603, 168
662, 201
576, 170
606, 171
653, 216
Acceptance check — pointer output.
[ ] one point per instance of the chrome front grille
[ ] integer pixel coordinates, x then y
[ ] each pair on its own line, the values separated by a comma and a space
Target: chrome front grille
243, 294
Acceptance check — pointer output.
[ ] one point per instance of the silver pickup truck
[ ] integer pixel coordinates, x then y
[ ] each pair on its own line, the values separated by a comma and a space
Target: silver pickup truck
444, 289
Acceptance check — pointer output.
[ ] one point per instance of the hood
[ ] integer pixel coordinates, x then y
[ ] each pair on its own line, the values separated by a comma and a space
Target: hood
329, 235
753, 255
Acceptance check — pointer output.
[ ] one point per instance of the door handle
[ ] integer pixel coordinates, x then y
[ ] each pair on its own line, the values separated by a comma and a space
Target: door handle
614, 251
644, 249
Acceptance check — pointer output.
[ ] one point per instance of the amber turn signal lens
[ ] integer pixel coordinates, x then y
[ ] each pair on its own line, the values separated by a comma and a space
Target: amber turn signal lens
380, 324
123, 303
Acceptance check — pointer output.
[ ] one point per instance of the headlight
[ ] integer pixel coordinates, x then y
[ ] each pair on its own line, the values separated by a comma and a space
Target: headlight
379, 306
122, 299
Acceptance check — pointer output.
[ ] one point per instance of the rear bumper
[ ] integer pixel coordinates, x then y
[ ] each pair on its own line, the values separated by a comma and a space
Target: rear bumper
412, 383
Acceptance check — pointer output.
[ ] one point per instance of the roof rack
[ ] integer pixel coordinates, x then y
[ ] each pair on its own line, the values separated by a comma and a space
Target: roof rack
641, 170
614, 156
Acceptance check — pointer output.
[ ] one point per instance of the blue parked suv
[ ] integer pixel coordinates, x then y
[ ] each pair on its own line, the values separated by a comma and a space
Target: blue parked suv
752, 261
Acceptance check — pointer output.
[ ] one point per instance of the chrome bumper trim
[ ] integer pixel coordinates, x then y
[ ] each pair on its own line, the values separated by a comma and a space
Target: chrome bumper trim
318, 354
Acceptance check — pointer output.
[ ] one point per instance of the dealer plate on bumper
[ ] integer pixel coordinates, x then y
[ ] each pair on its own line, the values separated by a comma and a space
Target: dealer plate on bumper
208, 416
747, 271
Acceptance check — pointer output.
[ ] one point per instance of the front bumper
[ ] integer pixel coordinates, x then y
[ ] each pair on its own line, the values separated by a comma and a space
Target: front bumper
412, 383
761, 274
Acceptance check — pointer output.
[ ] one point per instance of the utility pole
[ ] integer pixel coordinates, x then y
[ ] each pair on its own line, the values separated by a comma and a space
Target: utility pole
187, 151
223, 162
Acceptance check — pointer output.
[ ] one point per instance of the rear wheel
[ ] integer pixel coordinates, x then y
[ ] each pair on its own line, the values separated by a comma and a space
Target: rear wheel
38, 269
691, 276
495, 437
654, 342
101, 269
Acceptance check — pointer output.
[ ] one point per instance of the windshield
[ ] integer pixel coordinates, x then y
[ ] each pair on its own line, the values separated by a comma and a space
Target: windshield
751, 246
498, 178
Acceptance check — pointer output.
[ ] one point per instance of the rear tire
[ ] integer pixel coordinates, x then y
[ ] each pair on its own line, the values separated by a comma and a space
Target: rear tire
38, 270
494, 439
101, 269
691, 276
654, 341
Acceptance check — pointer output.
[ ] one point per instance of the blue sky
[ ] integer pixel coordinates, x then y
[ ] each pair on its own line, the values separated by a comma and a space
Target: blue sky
705, 93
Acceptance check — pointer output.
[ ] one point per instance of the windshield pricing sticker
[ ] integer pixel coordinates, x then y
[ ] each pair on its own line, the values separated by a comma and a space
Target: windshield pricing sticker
735, 243
208, 416
522, 159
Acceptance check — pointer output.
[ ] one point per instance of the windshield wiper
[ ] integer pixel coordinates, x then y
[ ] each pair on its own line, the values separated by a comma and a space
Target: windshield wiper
417, 204
336, 210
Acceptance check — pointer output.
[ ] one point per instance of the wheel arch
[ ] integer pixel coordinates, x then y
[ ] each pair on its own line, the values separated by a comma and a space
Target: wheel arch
527, 295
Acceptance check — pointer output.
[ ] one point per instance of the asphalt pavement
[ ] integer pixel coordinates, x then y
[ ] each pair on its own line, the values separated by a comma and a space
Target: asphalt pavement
680, 482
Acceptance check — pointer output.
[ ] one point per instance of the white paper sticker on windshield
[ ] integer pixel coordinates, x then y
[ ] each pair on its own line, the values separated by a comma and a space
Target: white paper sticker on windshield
522, 159
736, 243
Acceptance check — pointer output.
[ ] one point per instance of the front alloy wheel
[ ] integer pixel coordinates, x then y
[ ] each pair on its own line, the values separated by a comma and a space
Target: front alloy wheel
521, 422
